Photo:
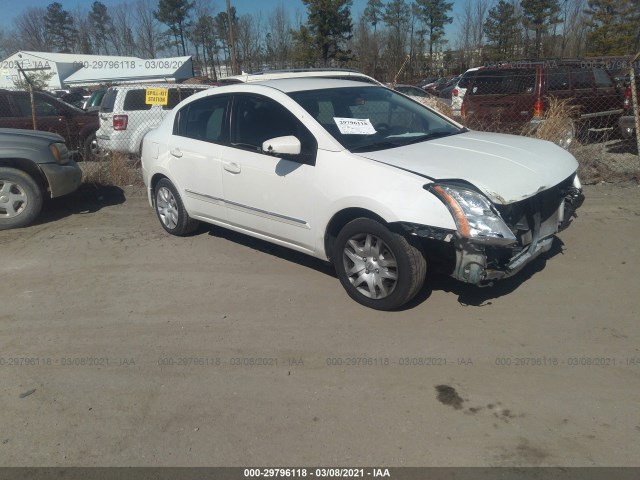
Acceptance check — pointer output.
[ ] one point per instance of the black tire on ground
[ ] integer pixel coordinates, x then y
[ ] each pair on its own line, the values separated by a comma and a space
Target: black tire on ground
170, 210
410, 265
90, 148
20, 198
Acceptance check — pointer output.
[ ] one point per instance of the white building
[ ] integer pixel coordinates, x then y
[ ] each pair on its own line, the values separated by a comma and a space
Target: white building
69, 69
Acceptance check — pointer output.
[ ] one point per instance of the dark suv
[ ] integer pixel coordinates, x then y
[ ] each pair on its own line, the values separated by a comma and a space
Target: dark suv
76, 126
511, 97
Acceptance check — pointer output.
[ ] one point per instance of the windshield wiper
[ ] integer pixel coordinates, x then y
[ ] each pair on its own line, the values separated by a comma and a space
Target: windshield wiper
430, 136
376, 146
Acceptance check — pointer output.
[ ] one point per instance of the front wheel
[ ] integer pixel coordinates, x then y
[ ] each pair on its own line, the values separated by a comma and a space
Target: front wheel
170, 210
90, 149
378, 268
20, 199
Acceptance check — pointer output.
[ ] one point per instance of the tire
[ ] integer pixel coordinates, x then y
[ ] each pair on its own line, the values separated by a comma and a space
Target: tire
378, 268
170, 210
20, 198
90, 150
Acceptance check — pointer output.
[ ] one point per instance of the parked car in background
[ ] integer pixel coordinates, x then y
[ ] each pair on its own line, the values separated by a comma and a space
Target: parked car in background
446, 91
511, 97
458, 92
627, 123
76, 97
92, 104
76, 126
362, 176
423, 83
33, 165
411, 90
435, 87
128, 112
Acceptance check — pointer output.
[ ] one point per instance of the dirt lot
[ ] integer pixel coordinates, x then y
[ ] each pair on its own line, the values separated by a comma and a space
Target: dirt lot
121, 345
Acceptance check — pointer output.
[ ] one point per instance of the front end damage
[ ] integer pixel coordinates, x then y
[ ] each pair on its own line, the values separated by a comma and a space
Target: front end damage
533, 222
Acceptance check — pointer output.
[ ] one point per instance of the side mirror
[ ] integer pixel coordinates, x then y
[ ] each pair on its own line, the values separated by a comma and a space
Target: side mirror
288, 145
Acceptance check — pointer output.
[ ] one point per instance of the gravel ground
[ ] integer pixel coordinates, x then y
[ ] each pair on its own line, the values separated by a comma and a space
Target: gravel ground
121, 345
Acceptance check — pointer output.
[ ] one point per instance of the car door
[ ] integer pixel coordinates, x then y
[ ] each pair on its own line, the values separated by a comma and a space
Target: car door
268, 195
196, 147
49, 117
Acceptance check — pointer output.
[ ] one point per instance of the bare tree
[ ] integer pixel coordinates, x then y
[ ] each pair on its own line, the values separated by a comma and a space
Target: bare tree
248, 40
123, 38
471, 33
278, 39
149, 38
31, 30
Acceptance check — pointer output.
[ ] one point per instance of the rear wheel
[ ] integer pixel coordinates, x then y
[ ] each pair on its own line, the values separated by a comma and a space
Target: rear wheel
170, 210
20, 198
378, 268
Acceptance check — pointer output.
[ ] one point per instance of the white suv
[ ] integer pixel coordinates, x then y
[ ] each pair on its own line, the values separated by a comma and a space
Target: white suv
362, 176
126, 116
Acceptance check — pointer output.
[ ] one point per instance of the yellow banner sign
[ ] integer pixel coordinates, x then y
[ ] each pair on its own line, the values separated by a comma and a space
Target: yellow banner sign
157, 96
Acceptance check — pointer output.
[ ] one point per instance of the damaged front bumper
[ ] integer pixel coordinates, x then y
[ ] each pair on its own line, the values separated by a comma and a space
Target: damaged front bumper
534, 222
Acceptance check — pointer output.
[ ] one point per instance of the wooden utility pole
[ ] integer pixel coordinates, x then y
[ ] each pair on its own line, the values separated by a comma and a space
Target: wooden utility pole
234, 66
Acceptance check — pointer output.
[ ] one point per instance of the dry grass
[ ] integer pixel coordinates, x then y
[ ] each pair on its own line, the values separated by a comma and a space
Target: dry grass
112, 169
556, 123
437, 104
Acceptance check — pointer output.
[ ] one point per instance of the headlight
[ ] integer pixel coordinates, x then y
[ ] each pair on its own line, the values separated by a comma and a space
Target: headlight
59, 152
475, 216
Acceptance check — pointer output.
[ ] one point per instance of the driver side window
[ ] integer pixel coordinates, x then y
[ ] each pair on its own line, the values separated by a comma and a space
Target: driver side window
256, 119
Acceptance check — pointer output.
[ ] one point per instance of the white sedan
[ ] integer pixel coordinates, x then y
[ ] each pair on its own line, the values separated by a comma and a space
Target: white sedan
361, 176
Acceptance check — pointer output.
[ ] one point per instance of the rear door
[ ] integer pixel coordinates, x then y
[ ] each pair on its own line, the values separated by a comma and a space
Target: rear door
200, 138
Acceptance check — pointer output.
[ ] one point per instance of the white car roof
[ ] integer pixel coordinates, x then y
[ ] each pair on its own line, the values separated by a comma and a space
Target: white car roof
301, 73
289, 85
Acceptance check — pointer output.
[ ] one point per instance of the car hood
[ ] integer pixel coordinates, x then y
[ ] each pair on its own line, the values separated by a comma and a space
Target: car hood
24, 133
506, 168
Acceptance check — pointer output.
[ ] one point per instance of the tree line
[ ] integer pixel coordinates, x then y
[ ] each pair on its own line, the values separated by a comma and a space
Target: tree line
390, 40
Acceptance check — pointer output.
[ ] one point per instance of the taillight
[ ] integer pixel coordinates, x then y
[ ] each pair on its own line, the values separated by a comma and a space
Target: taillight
455, 92
120, 122
538, 108
627, 99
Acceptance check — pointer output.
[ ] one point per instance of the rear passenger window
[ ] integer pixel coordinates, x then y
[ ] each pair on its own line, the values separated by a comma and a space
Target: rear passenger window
136, 100
504, 82
557, 79
581, 77
204, 120
602, 78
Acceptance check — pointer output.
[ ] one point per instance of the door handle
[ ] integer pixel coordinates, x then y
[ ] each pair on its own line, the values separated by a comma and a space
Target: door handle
232, 167
176, 152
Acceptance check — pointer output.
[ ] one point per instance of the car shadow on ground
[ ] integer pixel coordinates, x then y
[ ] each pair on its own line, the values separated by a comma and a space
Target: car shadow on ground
474, 296
269, 248
468, 295
87, 199
623, 146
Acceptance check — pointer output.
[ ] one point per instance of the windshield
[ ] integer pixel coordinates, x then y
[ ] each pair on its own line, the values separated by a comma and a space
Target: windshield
371, 118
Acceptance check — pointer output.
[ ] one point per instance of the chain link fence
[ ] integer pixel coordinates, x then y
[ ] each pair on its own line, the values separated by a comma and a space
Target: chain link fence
582, 105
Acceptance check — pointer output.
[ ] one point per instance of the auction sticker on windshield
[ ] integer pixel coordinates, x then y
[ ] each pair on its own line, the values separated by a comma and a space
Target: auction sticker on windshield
354, 126
157, 96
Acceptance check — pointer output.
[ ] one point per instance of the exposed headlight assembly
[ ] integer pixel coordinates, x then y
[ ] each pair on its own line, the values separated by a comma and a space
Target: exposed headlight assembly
475, 216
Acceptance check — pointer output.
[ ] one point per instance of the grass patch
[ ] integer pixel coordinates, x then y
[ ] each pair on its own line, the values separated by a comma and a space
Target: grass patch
112, 169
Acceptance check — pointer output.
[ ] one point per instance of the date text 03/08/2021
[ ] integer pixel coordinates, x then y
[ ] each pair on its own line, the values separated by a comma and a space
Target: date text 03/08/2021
316, 472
